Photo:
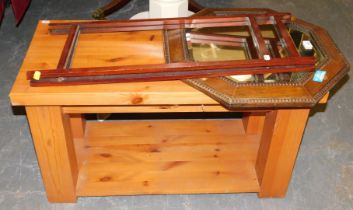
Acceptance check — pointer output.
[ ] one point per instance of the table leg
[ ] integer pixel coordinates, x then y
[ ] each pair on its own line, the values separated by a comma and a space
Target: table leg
280, 141
53, 143
253, 122
78, 124
78, 127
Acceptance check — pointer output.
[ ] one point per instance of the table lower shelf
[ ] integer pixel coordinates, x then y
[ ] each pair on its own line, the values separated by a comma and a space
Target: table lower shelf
166, 157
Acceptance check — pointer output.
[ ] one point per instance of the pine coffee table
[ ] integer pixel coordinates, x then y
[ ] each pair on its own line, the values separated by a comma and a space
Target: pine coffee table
287, 66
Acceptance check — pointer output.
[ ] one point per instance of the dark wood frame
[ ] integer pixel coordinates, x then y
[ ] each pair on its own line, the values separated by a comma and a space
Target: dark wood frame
178, 63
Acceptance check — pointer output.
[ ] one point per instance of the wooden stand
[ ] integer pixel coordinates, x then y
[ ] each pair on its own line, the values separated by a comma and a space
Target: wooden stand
165, 156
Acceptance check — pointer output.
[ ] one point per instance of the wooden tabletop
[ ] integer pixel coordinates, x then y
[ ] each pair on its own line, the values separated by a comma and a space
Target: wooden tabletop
100, 50
146, 47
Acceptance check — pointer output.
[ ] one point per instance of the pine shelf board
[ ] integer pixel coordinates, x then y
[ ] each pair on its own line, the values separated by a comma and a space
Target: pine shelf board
166, 157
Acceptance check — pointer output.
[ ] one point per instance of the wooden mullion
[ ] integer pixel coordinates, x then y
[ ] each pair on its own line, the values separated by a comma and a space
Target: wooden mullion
69, 47
286, 37
257, 37
252, 48
274, 47
259, 78
166, 46
175, 44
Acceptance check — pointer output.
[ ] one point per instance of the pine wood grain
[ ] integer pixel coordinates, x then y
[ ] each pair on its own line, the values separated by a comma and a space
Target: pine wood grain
145, 109
78, 125
119, 49
253, 122
78, 129
55, 152
280, 141
167, 127
168, 157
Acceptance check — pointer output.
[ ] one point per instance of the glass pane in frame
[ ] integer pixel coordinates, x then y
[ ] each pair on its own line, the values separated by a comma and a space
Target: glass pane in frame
218, 44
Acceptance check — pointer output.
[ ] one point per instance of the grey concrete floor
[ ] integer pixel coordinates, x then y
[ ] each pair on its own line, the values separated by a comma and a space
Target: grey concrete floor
323, 175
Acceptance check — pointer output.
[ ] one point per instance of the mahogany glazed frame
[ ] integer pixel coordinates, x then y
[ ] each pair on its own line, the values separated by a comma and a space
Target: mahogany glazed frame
179, 64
